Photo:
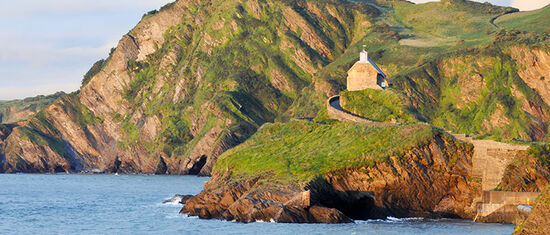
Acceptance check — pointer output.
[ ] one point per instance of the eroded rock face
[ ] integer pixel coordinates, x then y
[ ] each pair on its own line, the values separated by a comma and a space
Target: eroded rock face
141, 112
525, 174
534, 69
240, 203
428, 181
538, 221
460, 83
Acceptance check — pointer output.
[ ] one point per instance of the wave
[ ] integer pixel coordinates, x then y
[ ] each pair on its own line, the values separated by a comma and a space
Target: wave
391, 220
261, 221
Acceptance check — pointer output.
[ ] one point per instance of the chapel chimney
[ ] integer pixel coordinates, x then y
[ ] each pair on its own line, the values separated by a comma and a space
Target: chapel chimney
364, 57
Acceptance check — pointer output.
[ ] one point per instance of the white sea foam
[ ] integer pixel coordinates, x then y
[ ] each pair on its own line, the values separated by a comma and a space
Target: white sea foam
391, 220
271, 220
173, 203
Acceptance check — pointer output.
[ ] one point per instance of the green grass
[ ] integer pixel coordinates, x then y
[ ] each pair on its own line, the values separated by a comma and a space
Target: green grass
233, 80
41, 139
379, 105
449, 19
32, 104
531, 21
541, 152
495, 96
298, 151
441, 92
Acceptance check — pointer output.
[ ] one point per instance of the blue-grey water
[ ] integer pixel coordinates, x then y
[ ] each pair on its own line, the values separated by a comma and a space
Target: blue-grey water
129, 204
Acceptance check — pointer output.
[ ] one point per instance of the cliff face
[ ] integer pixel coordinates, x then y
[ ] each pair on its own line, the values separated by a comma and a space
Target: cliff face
525, 174
485, 92
428, 179
186, 84
16, 110
534, 69
538, 221
199, 77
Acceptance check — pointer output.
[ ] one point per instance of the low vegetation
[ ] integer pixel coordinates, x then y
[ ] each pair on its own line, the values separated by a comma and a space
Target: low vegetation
379, 105
16, 110
298, 151
531, 21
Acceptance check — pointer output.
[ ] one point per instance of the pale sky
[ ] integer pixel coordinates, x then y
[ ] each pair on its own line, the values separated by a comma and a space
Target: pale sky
48, 45
524, 5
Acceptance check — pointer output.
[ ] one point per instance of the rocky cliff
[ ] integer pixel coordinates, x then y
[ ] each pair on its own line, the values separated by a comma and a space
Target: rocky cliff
538, 221
16, 110
197, 78
483, 92
187, 83
426, 176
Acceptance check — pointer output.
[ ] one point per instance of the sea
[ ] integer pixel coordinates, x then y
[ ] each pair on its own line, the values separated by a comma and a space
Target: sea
132, 204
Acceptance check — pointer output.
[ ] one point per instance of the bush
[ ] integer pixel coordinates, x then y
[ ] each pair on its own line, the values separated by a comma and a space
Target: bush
96, 68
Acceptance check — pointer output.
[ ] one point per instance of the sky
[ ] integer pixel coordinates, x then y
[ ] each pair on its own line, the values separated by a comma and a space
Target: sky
524, 5
48, 45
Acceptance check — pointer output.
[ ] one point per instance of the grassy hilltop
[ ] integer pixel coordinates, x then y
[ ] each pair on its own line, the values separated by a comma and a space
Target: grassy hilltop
298, 151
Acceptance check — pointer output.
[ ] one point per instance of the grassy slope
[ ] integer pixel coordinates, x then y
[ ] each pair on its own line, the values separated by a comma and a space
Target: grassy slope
380, 105
499, 76
255, 44
298, 151
32, 104
236, 75
532, 21
397, 43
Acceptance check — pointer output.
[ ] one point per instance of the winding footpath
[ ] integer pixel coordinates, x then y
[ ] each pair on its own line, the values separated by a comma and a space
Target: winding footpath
335, 111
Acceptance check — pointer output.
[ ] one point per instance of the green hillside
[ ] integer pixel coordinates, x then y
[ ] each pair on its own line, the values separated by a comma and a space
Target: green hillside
222, 69
298, 151
16, 110
532, 21
379, 105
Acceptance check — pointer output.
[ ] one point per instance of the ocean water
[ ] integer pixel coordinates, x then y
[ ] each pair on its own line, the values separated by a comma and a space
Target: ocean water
131, 204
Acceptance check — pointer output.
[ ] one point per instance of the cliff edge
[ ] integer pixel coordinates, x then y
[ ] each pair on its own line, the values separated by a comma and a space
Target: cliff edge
317, 173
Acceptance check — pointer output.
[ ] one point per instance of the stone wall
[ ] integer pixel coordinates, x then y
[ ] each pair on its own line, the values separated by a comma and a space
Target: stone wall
504, 207
362, 76
491, 159
514, 198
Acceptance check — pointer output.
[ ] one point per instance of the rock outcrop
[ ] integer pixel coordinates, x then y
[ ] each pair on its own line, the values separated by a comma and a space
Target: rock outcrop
535, 69
538, 221
16, 110
431, 180
183, 86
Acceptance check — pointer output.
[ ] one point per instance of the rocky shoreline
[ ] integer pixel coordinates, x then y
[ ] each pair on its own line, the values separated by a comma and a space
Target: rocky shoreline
428, 181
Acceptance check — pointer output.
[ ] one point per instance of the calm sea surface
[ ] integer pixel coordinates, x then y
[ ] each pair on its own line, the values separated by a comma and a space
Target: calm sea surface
111, 204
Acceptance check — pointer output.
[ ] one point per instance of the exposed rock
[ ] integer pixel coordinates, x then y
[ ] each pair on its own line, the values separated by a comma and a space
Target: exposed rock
538, 221
525, 174
424, 182
17, 110
165, 59
535, 69
296, 23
